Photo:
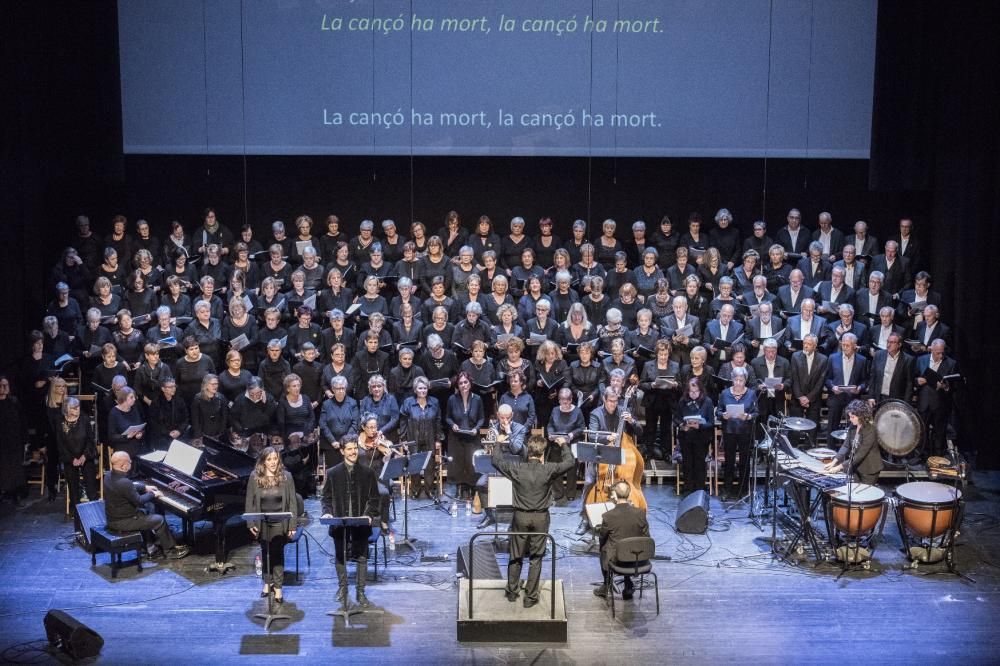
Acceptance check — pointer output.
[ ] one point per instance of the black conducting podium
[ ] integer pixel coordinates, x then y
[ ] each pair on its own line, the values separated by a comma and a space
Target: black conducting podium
281, 516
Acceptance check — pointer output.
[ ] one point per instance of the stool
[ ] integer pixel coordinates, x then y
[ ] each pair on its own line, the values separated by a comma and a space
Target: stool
102, 540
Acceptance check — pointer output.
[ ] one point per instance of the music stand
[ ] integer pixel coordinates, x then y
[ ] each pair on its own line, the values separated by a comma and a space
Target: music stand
346, 610
596, 454
405, 466
270, 616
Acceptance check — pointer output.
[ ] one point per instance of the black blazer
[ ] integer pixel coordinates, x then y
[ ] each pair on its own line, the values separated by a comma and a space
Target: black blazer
901, 386
805, 383
622, 521
801, 245
362, 500
867, 457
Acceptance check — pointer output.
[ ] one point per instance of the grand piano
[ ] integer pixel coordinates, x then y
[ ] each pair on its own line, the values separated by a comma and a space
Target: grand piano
202, 481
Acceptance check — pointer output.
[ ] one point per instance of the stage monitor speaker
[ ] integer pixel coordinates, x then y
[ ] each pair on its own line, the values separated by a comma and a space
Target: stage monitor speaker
692, 514
72, 636
486, 565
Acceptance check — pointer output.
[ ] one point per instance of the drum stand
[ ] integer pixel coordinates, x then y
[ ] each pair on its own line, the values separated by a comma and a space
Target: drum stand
924, 549
854, 551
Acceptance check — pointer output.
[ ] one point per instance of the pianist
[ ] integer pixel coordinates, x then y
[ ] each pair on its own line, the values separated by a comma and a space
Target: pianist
128, 511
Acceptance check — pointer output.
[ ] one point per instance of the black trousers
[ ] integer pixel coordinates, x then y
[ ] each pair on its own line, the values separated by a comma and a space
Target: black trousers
936, 435
812, 413
532, 547
659, 424
147, 523
354, 547
768, 407
88, 470
554, 452
835, 406
694, 450
733, 443
273, 541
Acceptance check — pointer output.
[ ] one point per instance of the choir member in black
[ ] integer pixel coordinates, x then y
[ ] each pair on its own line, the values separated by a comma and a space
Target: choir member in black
65, 309
693, 434
382, 405
270, 303
737, 431
439, 364
846, 379
297, 423
531, 294
112, 270
808, 370
892, 373
566, 424
237, 323
343, 262
87, 243
545, 243
563, 297
507, 329
473, 327
12, 438
368, 362
127, 510
207, 331
162, 329
54, 341
338, 421
659, 385
561, 262
277, 268
499, 294
351, 490
584, 377
337, 333
210, 295
771, 366
128, 340
464, 417
484, 239
72, 272
575, 330
88, 343
310, 371
272, 490
618, 276
515, 361
642, 339
140, 296
273, 369
253, 411
420, 421
551, 371
376, 267
622, 521
541, 327
437, 298
393, 242
619, 361
574, 245
182, 271
483, 375
337, 367
376, 324
77, 453
245, 268
407, 296
594, 301
302, 332
213, 232
520, 401
311, 269
934, 395
532, 482
233, 381
409, 266
514, 244
336, 296
400, 379
174, 298
123, 416
474, 294
678, 274
104, 299
453, 234
168, 417
190, 369
587, 267
150, 374
525, 269
370, 300
328, 242
209, 411
406, 331
55, 398
860, 455
607, 246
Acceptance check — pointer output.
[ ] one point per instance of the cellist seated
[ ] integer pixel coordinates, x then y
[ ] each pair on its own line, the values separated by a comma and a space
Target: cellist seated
606, 419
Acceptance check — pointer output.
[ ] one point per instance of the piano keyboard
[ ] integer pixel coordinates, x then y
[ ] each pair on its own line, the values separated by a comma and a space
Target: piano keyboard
806, 469
183, 504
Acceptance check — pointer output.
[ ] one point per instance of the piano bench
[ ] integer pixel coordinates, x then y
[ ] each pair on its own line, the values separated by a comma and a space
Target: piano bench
103, 540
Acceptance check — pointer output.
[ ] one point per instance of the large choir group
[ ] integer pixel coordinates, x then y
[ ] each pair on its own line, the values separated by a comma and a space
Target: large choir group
313, 338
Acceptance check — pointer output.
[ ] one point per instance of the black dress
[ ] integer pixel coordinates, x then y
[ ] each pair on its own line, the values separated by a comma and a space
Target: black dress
468, 417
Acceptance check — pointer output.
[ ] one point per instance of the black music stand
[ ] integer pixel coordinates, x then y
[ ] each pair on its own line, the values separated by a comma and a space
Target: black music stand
405, 466
596, 454
270, 616
346, 610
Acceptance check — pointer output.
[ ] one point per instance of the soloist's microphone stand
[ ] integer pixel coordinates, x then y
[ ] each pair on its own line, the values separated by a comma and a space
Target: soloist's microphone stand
270, 616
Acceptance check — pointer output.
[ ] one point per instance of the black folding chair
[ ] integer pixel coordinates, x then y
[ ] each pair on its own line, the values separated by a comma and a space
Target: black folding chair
633, 557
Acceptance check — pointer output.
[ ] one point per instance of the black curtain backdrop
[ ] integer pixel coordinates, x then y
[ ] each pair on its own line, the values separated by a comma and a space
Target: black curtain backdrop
934, 149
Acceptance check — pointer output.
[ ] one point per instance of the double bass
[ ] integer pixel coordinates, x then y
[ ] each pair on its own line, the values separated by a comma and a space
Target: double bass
630, 471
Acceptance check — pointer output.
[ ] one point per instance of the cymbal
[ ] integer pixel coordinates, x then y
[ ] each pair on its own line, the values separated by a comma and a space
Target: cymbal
799, 424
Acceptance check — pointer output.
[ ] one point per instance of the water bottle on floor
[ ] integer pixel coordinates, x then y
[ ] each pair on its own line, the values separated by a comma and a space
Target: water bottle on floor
258, 566
454, 509
392, 542
468, 508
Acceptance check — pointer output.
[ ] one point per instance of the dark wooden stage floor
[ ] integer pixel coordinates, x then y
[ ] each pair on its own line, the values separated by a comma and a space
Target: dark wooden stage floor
723, 599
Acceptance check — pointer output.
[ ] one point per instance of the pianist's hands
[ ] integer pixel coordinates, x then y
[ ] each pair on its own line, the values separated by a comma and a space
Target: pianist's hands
253, 532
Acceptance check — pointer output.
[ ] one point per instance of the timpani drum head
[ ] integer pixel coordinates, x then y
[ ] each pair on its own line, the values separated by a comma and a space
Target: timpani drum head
900, 429
861, 493
928, 492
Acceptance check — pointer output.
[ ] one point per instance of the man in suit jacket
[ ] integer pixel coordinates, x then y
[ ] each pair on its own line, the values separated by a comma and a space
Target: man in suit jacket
847, 368
879, 332
794, 237
814, 266
835, 330
934, 395
868, 303
803, 324
759, 294
892, 374
680, 319
765, 325
771, 365
854, 269
830, 239
723, 329
896, 270
620, 522
909, 247
791, 295
865, 245
930, 329
809, 369
834, 291
906, 314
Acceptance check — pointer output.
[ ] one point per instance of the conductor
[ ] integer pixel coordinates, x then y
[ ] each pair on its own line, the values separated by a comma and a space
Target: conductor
532, 484
620, 522
351, 490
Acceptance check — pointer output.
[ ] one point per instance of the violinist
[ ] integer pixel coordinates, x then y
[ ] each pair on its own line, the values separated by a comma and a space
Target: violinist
375, 448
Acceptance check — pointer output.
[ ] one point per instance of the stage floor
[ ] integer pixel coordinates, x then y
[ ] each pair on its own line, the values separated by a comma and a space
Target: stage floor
724, 598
